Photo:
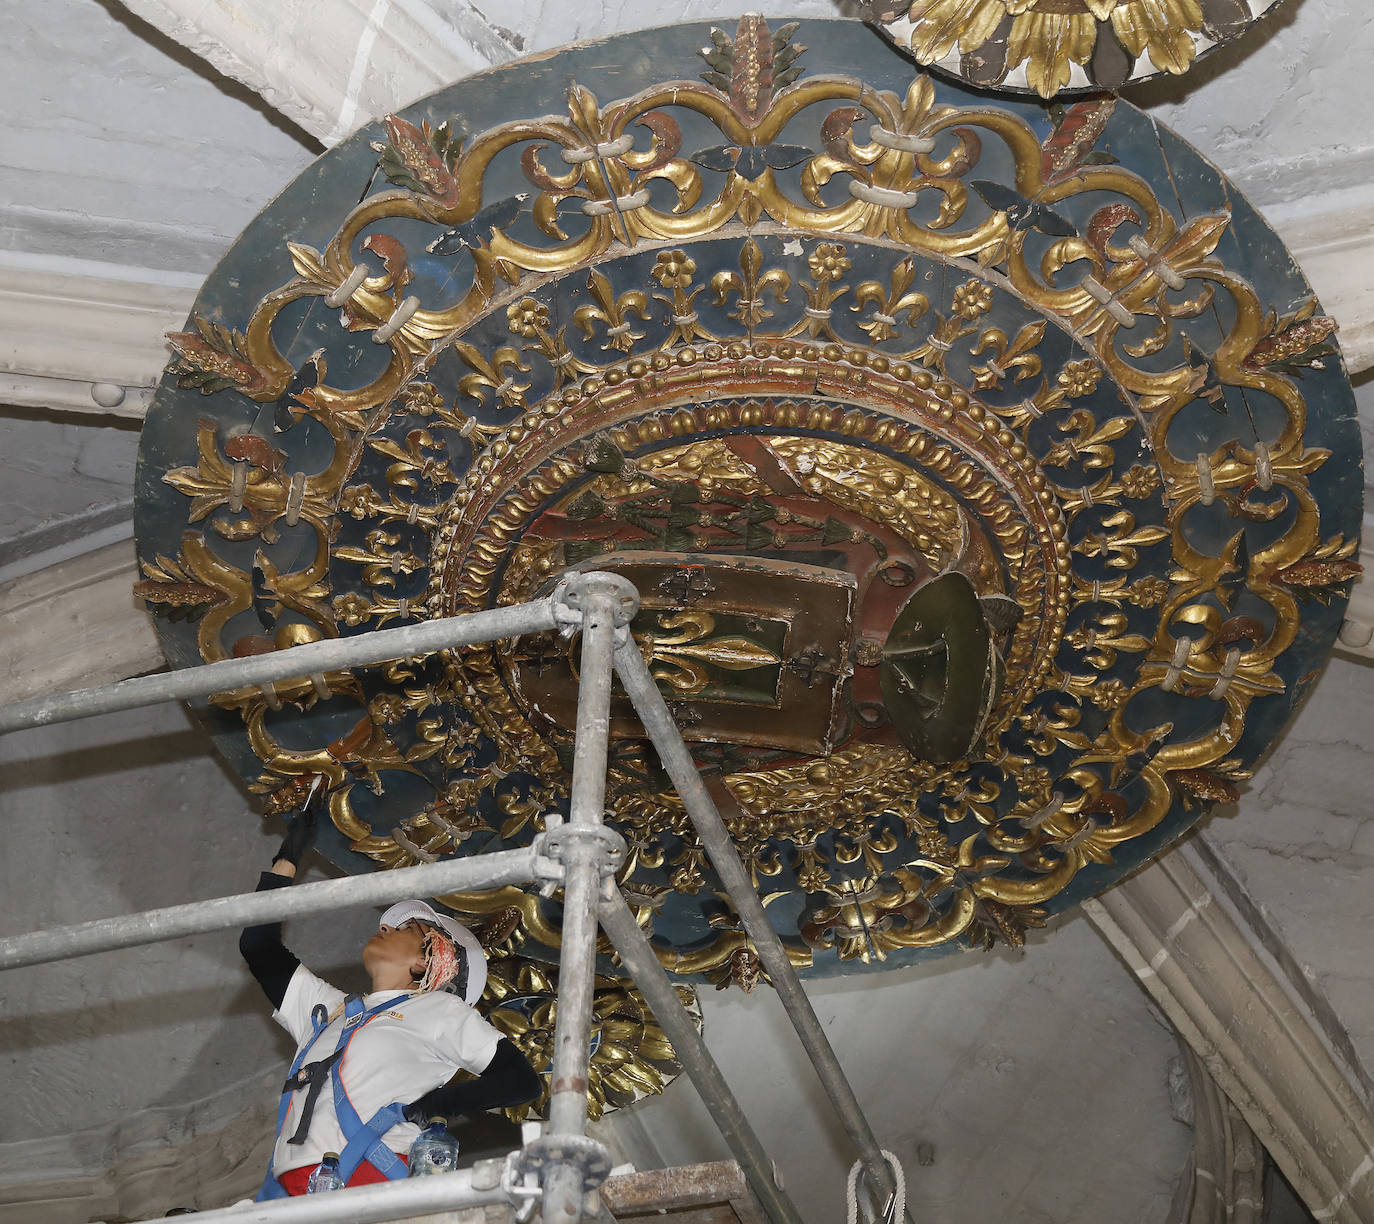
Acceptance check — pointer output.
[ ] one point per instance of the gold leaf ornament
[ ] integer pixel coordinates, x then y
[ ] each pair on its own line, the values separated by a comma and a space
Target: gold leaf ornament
1163, 28
1049, 36
1048, 43
943, 24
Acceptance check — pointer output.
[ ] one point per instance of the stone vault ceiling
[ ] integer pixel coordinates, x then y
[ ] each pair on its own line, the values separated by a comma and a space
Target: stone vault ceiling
131, 158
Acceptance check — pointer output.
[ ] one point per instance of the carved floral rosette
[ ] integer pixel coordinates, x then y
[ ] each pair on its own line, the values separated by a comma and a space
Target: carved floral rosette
989, 477
631, 1056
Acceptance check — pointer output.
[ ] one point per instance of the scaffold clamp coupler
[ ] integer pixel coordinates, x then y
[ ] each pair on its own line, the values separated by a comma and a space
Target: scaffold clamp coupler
520, 1186
572, 591
590, 1158
551, 846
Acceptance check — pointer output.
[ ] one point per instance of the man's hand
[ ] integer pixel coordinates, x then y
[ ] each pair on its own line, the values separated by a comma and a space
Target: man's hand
301, 835
416, 1115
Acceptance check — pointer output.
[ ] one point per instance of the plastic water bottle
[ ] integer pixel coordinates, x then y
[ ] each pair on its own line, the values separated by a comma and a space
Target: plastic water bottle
326, 1175
434, 1151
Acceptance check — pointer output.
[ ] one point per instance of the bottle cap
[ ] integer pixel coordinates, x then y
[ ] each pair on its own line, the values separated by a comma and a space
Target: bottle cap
442, 1121
334, 1156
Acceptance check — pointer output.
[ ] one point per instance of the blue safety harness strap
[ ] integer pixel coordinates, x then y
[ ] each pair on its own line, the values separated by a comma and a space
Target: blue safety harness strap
362, 1140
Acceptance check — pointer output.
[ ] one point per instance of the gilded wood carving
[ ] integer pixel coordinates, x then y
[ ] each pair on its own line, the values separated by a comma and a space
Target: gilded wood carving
1054, 46
988, 474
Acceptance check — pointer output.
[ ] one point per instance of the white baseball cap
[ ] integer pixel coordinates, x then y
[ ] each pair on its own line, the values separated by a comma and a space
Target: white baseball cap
407, 911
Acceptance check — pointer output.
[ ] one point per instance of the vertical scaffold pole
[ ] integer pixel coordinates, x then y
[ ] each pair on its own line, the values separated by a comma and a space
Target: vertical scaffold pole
720, 848
606, 603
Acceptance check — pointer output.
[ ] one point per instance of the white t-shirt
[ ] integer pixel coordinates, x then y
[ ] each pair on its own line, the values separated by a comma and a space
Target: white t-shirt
398, 1055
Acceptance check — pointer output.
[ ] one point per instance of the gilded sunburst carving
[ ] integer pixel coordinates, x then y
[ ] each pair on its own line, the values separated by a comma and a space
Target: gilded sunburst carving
1050, 45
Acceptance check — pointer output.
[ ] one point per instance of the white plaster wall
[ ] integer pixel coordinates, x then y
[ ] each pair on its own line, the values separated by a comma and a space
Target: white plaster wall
1284, 110
111, 816
1041, 1082
54, 471
549, 23
118, 148
1301, 841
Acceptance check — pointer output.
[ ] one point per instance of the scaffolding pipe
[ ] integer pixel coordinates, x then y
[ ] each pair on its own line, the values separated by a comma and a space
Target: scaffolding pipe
311, 658
605, 608
720, 848
582, 855
690, 1050
393, 1200
247, 909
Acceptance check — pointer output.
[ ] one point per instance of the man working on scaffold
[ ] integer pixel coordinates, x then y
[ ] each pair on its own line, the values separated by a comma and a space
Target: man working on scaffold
370, 1070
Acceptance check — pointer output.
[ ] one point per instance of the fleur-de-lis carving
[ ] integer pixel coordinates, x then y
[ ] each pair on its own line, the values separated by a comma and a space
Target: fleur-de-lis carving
1008, 355
422, 458
496, 373
1122, 540
1087, 441
613, 311
381, 558
1101, 639
749, 284
680, 651
890, 304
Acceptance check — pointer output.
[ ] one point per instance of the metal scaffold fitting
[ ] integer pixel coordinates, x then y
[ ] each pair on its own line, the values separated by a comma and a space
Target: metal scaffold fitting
608, 852
527, 1168
571, 594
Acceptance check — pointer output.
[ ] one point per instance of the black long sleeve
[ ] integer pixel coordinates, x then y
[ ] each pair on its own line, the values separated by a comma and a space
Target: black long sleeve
270, 961
508, 1080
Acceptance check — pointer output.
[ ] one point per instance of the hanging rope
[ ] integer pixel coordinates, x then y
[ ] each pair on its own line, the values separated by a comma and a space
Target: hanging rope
896, 1207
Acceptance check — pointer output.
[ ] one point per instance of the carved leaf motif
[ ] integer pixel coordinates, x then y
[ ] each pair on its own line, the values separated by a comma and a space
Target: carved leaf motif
994, 923
173, 593
421, 159
1071, 143
1049, 43
1291, 340
1164, 28
1323, 571
215, 358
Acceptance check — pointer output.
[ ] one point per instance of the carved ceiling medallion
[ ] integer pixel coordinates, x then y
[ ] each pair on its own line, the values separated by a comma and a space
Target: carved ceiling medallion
989, 477
1054, 46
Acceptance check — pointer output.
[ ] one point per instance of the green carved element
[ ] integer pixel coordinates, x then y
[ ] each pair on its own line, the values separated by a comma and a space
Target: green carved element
941, 672
713, 657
